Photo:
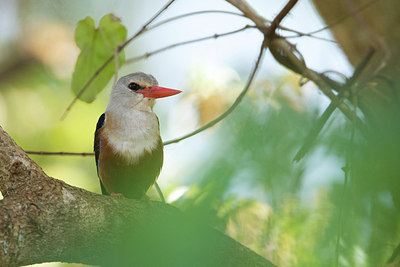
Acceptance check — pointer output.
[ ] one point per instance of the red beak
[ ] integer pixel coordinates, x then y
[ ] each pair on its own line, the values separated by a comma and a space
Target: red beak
158, 92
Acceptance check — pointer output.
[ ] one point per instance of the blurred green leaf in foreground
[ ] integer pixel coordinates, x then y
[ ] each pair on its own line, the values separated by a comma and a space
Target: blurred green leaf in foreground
295, 214
97, 45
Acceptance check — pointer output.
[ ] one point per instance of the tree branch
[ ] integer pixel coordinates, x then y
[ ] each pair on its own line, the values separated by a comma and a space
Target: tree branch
44, 219
287, 55
281, 15
250, 13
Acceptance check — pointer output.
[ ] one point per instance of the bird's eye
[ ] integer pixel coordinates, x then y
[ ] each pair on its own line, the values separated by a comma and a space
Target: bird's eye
134, 86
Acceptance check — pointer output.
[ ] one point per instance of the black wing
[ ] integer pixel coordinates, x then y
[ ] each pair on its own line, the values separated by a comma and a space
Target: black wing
97, 147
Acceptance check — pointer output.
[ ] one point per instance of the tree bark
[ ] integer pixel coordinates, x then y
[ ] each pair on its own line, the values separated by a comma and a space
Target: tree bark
43, 219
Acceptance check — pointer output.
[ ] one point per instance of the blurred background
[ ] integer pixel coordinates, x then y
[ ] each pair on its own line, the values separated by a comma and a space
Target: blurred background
238, 176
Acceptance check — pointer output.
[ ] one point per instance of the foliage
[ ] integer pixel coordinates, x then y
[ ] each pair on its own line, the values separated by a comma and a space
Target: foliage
97, 45
252, 189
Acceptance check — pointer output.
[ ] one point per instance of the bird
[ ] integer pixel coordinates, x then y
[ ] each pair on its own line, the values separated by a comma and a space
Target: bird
127, 142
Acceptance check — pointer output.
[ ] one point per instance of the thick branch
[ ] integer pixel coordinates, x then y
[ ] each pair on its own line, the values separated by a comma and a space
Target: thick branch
287, 55
250, 13
44, 219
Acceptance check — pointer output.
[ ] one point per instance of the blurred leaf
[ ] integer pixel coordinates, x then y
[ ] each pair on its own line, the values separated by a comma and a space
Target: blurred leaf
97, 45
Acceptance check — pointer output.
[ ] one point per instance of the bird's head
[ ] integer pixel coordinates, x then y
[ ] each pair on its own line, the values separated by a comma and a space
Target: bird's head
139, 91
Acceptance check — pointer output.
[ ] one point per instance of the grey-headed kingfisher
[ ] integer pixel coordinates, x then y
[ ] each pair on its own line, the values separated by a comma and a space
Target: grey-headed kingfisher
127, 143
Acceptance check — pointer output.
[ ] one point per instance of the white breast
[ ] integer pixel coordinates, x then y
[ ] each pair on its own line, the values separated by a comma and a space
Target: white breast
132, 132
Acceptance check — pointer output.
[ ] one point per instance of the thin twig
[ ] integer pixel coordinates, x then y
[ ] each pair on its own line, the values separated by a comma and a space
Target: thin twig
300, 34
85, 87
116, 66
45, 153
250, 13
119, 49
325, 88
340, 224
348, 15
160, 193
346, 170
316, 129
214, 36
231, 108
192, 14
338, 73
260, 21
278, 19
349, 154
336, 102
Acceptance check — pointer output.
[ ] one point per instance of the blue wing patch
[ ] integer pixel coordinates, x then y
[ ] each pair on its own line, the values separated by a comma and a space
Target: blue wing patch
97, 140
97, 147
98, 158
100, 122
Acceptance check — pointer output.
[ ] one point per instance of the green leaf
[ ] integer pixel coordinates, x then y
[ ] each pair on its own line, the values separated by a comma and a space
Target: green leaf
96, 45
